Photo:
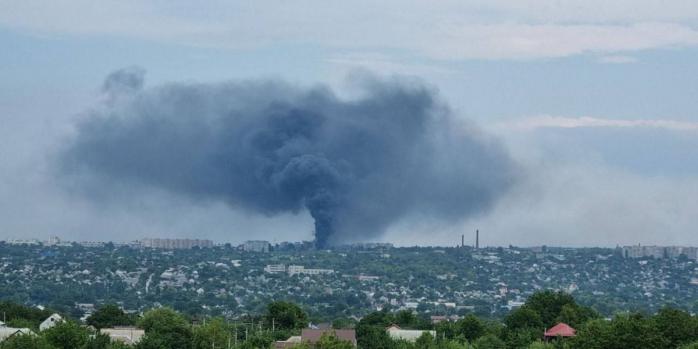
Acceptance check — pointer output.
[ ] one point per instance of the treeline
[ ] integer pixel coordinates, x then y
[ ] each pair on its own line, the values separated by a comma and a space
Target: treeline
521, 328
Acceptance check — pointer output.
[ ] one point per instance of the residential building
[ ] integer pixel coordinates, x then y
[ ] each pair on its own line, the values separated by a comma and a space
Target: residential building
395, 332
51, 321
299, 269
174, 244
127, 335
275, 268
256, 246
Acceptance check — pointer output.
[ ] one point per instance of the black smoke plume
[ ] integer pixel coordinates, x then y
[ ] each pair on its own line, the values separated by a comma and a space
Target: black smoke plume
356, 165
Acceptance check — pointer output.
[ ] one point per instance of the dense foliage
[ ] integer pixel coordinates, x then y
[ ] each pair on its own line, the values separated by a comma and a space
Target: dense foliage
523, 328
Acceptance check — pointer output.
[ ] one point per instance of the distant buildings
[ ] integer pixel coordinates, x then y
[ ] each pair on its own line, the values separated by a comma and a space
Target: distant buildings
175, 244
255, 246
275, 268
659, 252
295, 270
24, 242
299, 269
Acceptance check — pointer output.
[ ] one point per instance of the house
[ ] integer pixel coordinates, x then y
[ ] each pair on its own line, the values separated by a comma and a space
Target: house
50, 322
312, 336
126, 335
560, 330
395, 332
7, 332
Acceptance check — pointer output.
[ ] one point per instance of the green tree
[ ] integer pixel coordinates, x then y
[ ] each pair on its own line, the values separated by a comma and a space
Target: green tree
331, 341
370, 331
471, 327
406, 319
489, 342
523, 318
66, 335
214, 334
693, 345
595, 334
285, 316
109, 315
26, 341
624, 331
425, 341
165, 329
676, 326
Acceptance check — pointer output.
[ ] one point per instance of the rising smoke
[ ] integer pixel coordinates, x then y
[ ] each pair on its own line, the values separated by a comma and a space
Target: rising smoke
270, 147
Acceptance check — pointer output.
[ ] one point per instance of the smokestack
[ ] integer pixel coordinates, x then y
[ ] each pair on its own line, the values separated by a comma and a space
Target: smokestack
462, 240
477, 239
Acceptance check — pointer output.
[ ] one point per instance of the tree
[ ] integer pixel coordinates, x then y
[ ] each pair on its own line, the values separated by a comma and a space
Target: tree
26, 341
676, 326
331, 341
214, 334
489, 342
370, 331
540, 345
165, 329
406, 319
693, 345
285, 316
636, 331
99, 341
471, 327
595, 334
66, 335
425, 341
109, 315
523, 318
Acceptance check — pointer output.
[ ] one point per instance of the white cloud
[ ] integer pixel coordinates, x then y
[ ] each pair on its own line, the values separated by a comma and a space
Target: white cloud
548, 121
617, 59
450, 30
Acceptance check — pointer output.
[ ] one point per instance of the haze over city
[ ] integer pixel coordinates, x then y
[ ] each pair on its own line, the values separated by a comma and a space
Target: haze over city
535, 122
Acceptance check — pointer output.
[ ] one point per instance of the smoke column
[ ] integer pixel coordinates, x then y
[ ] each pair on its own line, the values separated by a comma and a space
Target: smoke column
270, 147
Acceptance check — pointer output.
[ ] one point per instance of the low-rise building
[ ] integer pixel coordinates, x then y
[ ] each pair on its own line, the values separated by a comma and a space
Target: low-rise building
126, 335
255, 246
299, 269
51, 321
395, 332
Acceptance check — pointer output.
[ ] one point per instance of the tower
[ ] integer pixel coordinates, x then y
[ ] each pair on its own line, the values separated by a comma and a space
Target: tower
477, 239
462, 240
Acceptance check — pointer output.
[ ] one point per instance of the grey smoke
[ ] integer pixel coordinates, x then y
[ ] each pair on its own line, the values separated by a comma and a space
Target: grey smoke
356, 165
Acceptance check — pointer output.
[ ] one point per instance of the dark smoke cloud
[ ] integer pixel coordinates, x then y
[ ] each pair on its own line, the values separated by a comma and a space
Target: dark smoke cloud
356, 165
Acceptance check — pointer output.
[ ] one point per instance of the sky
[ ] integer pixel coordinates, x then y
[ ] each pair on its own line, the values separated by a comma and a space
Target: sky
596, 101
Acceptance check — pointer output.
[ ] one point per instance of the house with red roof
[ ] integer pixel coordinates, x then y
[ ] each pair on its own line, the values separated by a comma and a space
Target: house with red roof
560, 330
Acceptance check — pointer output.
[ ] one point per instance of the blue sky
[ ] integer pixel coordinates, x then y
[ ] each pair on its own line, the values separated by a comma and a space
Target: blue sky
597, 100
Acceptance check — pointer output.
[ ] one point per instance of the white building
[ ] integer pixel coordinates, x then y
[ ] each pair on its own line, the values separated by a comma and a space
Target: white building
50, 322
174, 244
395, 332
275, 268
7, 332
256, 246
299, 269
127, 335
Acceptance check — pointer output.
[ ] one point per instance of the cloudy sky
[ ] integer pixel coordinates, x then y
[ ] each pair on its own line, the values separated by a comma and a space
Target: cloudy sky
596, 100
